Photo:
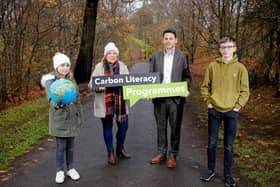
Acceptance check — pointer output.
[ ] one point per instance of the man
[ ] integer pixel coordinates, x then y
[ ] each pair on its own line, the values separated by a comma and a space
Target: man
173, 67
225, 89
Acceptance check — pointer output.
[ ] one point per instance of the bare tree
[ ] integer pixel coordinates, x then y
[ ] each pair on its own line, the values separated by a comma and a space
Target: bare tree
30, 32
264, 15
84, 62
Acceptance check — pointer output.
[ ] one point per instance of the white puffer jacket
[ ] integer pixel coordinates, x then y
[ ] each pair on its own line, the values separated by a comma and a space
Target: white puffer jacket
46, 78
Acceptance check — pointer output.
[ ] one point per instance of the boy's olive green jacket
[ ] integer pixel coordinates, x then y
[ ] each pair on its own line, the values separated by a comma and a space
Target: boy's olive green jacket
65, 121
226, 86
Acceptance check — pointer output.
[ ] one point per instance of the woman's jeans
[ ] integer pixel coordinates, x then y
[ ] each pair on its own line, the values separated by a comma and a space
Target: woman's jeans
108, 132
64, 145
230, 125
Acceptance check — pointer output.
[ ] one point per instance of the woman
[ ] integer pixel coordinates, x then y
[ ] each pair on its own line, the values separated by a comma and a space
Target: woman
109, 103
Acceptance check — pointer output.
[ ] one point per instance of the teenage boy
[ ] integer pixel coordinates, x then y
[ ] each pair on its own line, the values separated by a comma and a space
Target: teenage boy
225, 89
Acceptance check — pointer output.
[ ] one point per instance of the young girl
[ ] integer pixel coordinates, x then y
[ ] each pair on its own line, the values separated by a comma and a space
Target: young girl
109, 103
64, 120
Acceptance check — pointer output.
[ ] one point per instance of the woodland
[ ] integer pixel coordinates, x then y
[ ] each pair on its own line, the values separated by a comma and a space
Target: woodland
31, 31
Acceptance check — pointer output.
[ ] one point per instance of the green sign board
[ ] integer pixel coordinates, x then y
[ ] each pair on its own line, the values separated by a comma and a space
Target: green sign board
135, 92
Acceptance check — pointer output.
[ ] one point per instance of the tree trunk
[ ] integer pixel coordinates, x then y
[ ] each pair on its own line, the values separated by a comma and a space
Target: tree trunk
277, 72
277, 77
268, 59
237, 19
84, 62
3, 79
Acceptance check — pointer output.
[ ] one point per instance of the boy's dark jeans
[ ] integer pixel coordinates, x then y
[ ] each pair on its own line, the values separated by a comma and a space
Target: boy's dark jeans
230, 125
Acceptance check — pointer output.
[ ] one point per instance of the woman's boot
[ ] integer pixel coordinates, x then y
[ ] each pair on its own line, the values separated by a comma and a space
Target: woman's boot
111, 157
121, 153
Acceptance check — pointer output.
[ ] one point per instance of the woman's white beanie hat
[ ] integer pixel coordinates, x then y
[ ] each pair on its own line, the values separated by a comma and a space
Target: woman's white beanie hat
111, 47
59, 59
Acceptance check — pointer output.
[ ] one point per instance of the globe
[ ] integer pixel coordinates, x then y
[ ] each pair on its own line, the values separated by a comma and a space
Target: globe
62, 91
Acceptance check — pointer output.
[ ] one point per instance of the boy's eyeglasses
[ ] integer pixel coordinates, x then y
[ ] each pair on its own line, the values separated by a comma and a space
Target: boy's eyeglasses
227, 47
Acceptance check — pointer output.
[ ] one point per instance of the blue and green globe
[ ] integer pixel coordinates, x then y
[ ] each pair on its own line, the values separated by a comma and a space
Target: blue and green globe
62, 91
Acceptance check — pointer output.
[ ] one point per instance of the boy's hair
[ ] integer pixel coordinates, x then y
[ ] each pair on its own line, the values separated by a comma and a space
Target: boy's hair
226, 39
169, 30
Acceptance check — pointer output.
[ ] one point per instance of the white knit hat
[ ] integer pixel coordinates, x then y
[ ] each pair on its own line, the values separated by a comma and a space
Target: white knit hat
111, 47
59, 59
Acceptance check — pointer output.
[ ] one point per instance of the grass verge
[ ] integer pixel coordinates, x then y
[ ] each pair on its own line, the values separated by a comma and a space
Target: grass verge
258, 163
20, 128
258, 155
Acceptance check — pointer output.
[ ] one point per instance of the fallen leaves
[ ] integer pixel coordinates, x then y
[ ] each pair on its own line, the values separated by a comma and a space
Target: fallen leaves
195, 166
6, 178
3, 171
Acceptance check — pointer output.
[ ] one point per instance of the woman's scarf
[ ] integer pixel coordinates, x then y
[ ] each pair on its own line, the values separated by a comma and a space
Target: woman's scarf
115, 105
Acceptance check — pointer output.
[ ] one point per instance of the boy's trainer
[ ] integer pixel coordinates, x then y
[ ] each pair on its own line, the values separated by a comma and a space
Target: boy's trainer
207, 175
229, 181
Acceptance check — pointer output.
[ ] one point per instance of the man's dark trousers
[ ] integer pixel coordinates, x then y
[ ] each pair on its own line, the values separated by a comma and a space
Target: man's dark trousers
165, 109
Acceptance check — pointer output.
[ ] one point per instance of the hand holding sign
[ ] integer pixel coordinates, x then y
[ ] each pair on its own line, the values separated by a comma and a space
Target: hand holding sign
136, 92
140, 86
125, 79
100, 89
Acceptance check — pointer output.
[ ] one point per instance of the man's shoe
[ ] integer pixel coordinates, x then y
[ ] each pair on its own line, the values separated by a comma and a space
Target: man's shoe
121, 153
207, 175
59, 178
73, 174
229, 182
157, 159
171, 162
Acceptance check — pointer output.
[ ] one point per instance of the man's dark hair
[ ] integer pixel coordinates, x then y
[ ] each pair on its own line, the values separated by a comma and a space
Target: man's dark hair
169, 30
